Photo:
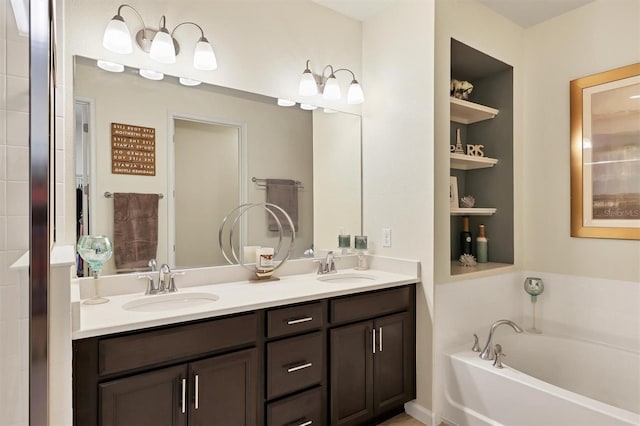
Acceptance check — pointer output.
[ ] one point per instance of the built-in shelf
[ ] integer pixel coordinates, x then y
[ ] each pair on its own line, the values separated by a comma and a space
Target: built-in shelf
466, 112
458, 269
475, 211
470, 162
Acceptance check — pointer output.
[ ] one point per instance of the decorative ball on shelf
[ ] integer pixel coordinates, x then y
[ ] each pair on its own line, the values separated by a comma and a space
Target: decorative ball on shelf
467, 201
467, 260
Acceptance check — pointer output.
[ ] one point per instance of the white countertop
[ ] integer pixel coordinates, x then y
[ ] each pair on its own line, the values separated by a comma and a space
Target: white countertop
234, 297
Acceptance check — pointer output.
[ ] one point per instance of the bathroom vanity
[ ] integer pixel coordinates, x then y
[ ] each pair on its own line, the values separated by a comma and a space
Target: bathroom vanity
341, 354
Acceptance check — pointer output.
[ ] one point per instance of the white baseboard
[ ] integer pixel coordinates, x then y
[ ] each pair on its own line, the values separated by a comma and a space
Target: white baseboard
420, 413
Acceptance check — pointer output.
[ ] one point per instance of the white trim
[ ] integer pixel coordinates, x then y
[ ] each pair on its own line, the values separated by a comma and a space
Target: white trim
420, 413
242, 174
93, 166
21, 13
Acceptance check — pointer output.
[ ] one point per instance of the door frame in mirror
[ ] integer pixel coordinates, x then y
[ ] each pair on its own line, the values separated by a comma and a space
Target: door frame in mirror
242, 174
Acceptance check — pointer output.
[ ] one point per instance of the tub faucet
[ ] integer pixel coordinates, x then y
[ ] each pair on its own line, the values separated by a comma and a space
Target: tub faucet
487, 352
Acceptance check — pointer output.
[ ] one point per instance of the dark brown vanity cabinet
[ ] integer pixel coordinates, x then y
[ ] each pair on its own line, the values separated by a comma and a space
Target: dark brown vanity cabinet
203, 373
372, 362
343, 360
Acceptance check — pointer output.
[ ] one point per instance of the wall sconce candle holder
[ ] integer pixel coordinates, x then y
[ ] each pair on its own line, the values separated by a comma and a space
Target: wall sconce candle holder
159, 44
311, 84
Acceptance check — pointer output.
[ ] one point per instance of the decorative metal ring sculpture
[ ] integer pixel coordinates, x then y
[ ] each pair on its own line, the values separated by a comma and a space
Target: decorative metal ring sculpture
236, 214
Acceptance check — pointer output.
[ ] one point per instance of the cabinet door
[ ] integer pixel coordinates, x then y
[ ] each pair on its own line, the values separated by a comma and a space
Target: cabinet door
351, 386
393, 362
153, 399
223, 390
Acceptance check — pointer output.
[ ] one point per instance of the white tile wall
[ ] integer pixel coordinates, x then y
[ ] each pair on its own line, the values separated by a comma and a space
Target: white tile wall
14, 219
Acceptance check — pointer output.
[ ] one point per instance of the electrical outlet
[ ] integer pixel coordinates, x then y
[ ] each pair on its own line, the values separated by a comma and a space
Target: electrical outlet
386, 237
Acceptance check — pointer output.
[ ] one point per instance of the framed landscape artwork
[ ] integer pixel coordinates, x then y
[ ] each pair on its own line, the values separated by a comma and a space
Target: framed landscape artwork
605, 154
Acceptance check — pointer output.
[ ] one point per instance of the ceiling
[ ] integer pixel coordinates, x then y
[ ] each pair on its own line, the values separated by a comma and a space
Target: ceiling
525, 13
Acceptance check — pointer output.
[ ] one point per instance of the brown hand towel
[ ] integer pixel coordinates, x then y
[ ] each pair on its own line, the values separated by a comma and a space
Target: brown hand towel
284, 194
135, 229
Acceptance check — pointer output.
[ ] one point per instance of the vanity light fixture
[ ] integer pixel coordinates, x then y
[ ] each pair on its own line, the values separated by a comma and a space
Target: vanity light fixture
634, 97
311, 85
308, 107
160, 44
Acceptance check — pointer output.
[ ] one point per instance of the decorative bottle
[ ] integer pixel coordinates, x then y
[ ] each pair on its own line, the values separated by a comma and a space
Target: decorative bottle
465, 237
481, 245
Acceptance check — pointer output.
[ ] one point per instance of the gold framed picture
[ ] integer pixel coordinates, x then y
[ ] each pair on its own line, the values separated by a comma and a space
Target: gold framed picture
605, 154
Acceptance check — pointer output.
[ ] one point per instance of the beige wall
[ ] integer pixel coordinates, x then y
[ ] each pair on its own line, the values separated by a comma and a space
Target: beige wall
206, 159
336, 177
398, 151
598, 37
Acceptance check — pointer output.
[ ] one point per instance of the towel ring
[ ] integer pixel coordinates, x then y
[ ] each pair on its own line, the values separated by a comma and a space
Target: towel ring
237, 213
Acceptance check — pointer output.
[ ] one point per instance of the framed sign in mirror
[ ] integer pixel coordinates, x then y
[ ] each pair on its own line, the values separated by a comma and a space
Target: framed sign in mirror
605, 154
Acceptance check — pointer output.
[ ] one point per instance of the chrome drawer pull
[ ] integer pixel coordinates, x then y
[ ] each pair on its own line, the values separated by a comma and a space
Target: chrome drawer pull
300, 422
373, 340
306, 423
184, 396
299, 367
380, 339
299, 320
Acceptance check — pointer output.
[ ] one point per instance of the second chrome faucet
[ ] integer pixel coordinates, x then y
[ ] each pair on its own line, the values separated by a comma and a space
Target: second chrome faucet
166, 280
488, 352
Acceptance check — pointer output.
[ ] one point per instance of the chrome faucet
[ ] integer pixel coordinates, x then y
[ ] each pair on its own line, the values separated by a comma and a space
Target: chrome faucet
327, 265
167, 281
488, 351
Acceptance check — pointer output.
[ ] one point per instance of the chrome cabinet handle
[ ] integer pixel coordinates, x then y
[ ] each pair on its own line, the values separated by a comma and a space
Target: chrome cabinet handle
373, 340
299, 320
197, 391
380, 339
299, 367
306, 423
184, 396
300, 422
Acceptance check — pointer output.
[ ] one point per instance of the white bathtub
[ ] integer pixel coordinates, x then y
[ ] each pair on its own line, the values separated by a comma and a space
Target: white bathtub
547, 381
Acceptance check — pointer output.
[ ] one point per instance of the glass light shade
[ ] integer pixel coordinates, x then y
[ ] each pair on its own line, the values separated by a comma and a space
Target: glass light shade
189, 82
308, 86
329, 111
308, 107
203, 56
355, 95
117, 37
285, 102
151, 75
162, 48
331, 89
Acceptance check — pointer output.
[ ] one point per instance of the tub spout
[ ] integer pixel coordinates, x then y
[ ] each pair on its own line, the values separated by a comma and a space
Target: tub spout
487, 352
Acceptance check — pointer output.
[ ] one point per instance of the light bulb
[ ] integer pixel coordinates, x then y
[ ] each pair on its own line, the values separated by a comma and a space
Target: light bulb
189, 82
162, 48
117, 37
203, 56
308, 86
151, 75
331, 89
355, 95
110, 66
285, 102
308, 107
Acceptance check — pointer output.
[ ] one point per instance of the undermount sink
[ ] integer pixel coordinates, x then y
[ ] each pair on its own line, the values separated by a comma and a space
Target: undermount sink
347, 278
169, 302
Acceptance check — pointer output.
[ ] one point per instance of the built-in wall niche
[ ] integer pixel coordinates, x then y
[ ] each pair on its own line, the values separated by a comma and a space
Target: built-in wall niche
485, 118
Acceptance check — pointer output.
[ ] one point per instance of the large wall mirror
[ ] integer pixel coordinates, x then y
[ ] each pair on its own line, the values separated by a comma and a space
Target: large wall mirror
214, 149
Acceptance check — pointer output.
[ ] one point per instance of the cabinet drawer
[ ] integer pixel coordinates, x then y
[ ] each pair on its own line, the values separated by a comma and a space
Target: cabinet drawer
368, 305
294, 363
294, 319
298, 410
118, 354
